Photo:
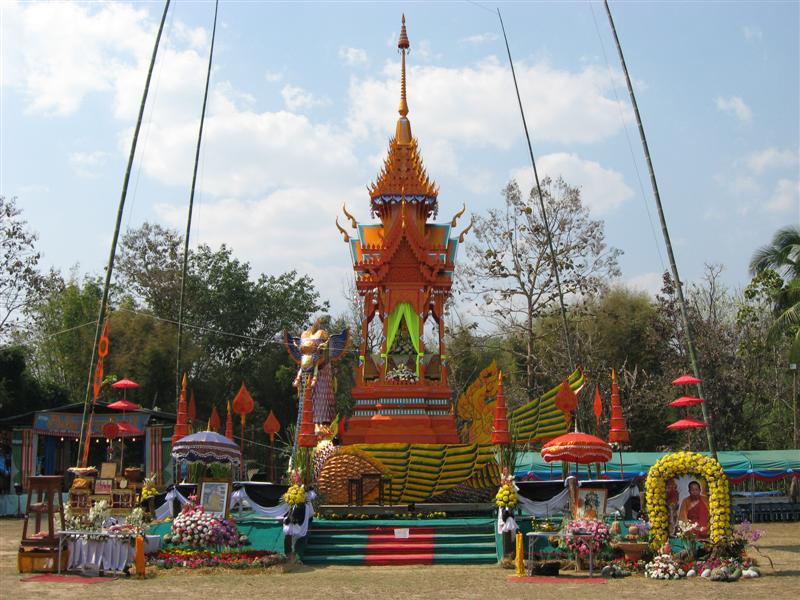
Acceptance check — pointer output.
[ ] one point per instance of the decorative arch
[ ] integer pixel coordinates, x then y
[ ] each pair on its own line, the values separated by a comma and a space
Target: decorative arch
677, 464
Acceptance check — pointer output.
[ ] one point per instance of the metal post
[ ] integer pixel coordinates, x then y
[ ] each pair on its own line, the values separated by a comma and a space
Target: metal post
673, 266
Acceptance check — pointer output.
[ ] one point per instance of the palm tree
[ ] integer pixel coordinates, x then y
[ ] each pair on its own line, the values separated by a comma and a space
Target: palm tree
782, 255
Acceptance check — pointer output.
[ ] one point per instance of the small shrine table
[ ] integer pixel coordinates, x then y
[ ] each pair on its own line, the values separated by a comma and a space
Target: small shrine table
98, 551
534, 535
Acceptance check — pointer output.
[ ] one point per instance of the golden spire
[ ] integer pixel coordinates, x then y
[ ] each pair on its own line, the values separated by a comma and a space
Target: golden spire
403, 131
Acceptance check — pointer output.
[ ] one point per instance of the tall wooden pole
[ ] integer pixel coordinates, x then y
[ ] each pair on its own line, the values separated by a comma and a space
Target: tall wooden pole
191, 206
673, 266
120, 209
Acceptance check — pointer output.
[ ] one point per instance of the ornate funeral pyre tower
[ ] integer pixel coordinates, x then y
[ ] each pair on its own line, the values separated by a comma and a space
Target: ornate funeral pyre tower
404, 271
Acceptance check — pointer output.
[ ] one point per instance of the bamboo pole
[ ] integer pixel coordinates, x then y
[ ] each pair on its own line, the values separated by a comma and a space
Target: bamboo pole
673, 265
120, 209
191, 206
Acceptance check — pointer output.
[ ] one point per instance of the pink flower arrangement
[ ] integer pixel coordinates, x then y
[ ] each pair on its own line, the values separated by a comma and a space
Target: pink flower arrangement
199, 529
584, 535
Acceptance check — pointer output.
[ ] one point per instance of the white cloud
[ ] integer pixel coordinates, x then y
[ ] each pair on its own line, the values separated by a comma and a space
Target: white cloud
58, 53
475, 105
786, 197
273, 76
602, 189
735, 106
480, 38
353, 56
650, 283
296, 98
424, 51
248, 153
752, 33
87, 164
771, 158
289, 228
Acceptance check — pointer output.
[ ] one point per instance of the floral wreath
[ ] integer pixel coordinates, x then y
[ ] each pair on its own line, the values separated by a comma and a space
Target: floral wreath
687, 463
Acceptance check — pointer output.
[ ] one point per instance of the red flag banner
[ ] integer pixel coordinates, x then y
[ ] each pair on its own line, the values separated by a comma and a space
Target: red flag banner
98, 378
102, 346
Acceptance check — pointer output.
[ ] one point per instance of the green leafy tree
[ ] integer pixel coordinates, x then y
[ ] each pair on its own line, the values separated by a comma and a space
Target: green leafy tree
782, 255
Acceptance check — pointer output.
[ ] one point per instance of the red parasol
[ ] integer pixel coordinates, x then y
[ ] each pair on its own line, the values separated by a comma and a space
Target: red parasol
124, 405
686, 379
688, 423
124, 384
577, 447
127, 429
111, 430
686, 401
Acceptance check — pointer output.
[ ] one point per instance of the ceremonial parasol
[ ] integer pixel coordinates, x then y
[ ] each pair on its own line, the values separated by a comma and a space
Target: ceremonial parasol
125, 429
124, 405
686, 401
207, 447
686, 379
124, 385
577, 447
688, 423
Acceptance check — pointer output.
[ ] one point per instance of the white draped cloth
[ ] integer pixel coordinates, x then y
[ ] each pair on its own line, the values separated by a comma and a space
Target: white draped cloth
107, 553
165, 510
560, 502
241, 499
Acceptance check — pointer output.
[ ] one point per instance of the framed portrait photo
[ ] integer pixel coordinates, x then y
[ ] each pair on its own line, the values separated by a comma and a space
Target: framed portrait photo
215, 497
591, 503
103, 486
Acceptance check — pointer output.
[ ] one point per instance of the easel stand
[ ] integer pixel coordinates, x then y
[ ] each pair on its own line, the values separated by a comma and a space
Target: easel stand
38, 549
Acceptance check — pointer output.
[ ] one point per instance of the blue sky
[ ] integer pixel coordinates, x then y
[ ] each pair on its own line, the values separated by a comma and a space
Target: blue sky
304, 99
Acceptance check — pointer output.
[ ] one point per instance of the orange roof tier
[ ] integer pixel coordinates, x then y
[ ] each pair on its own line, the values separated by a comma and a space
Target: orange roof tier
404, 266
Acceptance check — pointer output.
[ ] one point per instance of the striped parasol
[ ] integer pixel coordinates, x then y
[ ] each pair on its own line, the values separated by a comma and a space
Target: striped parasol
207, 447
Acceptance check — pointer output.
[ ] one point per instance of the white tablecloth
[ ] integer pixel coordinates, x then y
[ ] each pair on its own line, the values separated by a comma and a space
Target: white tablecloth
108, 554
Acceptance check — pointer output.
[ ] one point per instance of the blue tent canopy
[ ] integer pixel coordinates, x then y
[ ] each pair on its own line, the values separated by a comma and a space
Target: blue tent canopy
738, 465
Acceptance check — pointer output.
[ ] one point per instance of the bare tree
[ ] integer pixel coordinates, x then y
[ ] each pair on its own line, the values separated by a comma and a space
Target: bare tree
18, 274
509, 271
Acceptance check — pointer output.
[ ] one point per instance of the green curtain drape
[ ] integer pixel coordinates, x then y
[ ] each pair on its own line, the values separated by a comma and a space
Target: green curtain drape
401, 312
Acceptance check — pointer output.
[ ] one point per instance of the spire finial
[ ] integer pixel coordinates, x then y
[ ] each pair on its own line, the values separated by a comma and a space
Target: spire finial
403, 127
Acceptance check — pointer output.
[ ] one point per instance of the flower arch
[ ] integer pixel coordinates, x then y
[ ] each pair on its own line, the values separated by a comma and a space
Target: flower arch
687, 463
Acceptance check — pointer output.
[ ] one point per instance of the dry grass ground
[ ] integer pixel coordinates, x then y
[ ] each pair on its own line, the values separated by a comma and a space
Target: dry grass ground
781, 543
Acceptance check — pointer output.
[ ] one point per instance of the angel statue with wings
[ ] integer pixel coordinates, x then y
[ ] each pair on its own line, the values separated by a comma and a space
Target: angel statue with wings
314, 351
